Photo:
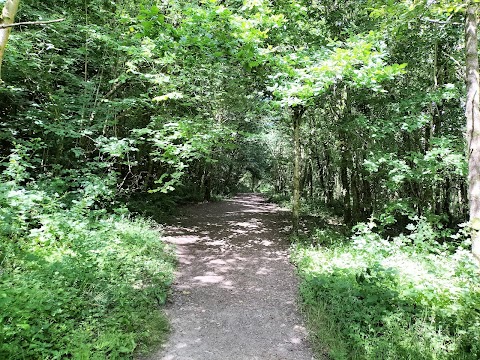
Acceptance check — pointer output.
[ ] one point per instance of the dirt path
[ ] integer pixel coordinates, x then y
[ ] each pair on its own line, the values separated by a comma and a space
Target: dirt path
235, 293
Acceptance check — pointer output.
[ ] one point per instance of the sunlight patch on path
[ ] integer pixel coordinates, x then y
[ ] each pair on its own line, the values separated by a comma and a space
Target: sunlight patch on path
235, 293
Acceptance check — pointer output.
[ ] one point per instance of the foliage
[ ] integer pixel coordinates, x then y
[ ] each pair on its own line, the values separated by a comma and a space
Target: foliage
154, 103
407, 297
74, 281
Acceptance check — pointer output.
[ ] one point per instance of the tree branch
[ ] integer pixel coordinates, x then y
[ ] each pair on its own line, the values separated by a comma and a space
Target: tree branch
5, 26
441, 22
113, 89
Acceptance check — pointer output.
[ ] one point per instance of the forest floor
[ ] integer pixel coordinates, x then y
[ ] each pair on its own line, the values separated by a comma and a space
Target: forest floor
235, 295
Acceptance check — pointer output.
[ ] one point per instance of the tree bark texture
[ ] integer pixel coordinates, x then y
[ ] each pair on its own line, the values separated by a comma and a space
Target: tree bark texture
473, 125
8, 16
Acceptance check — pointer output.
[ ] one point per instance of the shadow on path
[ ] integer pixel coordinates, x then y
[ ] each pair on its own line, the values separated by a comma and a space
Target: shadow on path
235, 293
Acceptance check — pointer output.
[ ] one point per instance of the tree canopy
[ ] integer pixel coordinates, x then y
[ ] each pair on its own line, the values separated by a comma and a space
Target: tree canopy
357, 107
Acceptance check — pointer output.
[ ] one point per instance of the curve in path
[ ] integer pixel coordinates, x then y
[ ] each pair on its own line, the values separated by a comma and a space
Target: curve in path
235, 293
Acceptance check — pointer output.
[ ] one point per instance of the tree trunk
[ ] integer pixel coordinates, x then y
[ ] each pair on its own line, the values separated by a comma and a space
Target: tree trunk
329, 177
305, 179
207, 183
446, 200
347, 206
347, 181
8, 16
297, 117
321, 175
356, 192
473, 126
367, 199
310, 179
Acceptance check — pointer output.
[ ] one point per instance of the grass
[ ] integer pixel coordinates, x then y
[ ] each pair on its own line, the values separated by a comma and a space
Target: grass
404, 298
78, 283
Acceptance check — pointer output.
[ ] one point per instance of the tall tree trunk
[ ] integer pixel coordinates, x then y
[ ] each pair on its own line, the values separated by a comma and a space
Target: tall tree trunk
347, 181
329, 177
356, 192
446, 200
207, 183
296, 120
322, 174
347, 206
473, 125
8, 15
367, 199
310, 179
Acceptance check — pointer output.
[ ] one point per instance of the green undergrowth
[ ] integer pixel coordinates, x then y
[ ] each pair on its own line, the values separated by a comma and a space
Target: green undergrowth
75, 281
83, 290
404, 298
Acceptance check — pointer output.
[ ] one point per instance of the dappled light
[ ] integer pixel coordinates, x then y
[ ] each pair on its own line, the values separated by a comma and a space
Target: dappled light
127, 126
218, 243
234, 279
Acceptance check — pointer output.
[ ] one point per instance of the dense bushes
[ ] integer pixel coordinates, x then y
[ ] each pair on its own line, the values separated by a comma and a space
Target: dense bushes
74, 281
403, 298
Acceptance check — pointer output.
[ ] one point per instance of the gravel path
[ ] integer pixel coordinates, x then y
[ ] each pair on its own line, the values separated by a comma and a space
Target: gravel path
235, 293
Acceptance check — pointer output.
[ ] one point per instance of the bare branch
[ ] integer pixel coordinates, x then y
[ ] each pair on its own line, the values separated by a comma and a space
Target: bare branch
440, 22
5, 26
113, 89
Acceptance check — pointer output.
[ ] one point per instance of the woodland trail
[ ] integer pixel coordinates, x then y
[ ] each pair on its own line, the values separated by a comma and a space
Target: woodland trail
235, 293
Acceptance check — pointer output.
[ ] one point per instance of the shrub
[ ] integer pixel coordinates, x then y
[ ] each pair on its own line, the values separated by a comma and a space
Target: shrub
391, 299
74, 281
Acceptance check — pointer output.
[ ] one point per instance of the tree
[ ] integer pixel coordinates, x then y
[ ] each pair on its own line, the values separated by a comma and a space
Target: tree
473, 124
296, 122
8, 16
